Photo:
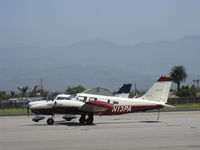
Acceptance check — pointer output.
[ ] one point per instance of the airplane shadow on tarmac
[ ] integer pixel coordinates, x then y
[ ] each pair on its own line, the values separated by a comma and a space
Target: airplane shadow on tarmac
63, 123
112, 121
150, 121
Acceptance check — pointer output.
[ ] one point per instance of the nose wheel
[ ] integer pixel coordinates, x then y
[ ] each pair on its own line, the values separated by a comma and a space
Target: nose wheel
50, 121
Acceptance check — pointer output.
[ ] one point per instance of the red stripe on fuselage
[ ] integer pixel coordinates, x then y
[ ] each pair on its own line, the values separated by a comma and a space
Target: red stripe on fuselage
100, 104
119, 110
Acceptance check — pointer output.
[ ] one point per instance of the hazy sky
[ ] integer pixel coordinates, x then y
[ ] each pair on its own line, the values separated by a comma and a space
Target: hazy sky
47, 23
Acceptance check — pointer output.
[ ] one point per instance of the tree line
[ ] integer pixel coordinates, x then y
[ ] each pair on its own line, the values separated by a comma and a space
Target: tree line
25, 91
178, 73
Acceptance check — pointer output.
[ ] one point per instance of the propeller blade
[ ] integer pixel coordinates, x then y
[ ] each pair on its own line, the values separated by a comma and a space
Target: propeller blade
28, 111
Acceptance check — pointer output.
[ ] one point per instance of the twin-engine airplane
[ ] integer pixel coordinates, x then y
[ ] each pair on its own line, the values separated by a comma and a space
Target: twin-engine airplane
89, 104
122, 92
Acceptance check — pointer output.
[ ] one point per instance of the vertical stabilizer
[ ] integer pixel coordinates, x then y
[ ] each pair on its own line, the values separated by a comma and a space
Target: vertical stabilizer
159, 91
124, 91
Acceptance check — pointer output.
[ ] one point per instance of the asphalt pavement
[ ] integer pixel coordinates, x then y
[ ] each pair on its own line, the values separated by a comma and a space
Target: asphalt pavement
139, 131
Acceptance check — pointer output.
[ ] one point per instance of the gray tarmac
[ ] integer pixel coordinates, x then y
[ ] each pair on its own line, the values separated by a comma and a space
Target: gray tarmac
139, 131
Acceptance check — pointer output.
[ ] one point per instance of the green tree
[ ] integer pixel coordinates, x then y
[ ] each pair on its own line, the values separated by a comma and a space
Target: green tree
75, 90
186, 91
23, 90
34, 91
178, 74
137, 94
3, 95
12, 93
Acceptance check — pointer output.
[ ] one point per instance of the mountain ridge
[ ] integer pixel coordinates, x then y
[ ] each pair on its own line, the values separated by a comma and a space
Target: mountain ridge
99, 61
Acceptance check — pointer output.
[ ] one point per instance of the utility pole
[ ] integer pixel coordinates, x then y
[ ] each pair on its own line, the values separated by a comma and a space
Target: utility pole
197, 83
41, 87
135, 89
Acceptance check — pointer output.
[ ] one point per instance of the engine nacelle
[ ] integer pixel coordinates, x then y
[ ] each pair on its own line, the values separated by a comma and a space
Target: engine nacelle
38, 118
69, 117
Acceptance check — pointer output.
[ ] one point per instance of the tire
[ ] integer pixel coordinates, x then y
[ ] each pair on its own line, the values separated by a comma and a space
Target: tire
82, 120
50, 121
89, 120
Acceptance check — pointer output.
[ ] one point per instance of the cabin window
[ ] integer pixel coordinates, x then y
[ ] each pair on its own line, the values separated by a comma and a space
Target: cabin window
115, 102
92, 99
63, 98
85, 98
82, 98
103, 100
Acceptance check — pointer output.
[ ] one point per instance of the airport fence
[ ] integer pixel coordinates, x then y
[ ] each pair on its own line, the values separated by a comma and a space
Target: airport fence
9, 105
184, 101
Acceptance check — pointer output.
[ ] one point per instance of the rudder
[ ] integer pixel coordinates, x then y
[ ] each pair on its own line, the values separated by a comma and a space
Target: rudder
159, 91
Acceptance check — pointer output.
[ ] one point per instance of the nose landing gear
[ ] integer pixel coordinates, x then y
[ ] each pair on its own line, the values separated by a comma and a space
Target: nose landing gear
50, 121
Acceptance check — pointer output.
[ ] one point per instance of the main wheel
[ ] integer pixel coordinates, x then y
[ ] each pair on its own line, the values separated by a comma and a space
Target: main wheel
90, 119
82, 120
50, 121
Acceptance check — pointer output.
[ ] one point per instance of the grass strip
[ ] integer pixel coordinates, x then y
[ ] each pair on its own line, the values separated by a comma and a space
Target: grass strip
14, 111
183, 107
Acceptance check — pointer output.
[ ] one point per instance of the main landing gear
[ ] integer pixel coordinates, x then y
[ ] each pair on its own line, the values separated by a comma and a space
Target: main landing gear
89, 120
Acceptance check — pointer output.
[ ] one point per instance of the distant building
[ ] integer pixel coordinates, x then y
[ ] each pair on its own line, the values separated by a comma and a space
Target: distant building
198, 94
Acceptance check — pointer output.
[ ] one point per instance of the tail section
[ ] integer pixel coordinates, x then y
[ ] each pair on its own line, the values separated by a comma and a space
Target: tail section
124, 91
159, 91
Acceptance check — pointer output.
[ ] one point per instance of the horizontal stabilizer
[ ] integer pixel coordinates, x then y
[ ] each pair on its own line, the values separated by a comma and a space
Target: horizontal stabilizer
166, 105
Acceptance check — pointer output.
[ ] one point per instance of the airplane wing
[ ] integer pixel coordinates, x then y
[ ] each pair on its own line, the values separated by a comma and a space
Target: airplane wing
96, 106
